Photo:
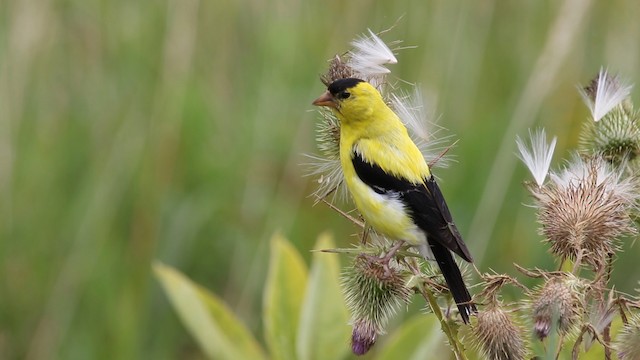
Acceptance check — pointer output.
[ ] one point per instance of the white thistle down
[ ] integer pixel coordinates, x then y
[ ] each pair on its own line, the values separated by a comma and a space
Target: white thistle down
537, 154
329, 177
578, 170
414, 114
607, 93
369, 56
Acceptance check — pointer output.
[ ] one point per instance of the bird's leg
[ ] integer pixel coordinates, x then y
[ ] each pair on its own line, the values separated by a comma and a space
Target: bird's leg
384, 259
389, 255
392, 252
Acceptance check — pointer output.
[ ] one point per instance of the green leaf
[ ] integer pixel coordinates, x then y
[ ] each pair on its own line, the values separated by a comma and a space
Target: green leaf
217, 330
323, 332
418, 338
283, 295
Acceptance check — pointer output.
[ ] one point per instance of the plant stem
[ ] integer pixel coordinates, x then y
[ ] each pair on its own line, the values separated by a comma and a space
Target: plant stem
456, 346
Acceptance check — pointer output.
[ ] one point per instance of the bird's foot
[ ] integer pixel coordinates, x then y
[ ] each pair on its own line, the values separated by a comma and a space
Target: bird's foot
385, 259
392, 252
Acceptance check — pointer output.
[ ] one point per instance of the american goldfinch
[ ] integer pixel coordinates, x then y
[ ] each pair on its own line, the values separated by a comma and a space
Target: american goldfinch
390, 181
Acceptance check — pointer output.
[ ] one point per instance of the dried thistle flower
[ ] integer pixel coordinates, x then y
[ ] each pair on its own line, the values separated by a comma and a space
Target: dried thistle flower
584, 210
326, 166
537, 156
604, 93
627, 344
497, 336
338, 69
328, 136
558, 300
373, 293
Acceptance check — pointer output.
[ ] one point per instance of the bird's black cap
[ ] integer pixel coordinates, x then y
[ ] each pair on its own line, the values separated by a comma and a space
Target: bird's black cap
343, 84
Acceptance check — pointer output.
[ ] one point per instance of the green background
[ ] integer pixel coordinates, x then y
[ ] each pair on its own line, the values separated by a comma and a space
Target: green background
173, 130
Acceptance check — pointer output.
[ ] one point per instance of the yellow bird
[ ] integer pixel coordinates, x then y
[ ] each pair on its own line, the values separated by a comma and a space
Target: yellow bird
391, 184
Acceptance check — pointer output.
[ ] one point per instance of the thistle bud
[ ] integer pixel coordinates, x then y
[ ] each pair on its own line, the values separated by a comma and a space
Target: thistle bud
363, 336
615, 132
497, 336
616, 137
627, 345
558, 303
373, 293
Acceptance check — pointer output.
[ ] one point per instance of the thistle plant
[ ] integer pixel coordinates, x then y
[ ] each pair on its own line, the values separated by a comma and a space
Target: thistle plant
373, 293
586, 209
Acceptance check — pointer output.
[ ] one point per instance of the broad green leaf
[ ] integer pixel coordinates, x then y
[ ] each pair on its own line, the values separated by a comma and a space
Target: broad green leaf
217, 330
323, 332
283, 295
418, 338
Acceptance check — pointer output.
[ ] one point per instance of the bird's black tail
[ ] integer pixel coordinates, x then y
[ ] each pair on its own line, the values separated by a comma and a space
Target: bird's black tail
454, 279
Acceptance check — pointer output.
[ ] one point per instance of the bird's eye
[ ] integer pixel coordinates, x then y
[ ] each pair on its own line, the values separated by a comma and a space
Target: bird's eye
344, 95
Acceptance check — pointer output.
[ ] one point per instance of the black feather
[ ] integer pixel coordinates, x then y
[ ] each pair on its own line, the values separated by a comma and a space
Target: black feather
425, 203
429, 211
453, 278
341, 85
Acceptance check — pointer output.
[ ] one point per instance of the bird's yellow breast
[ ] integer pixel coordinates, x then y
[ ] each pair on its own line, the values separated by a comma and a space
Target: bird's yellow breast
371, 129
386, 213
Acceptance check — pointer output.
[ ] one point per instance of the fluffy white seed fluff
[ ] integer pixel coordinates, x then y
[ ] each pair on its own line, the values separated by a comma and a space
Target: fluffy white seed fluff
607, 93
537, 154
369, 55
577, 172
414, 113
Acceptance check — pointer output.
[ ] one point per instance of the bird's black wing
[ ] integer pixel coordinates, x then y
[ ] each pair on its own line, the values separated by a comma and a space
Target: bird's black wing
430, 212
425, 203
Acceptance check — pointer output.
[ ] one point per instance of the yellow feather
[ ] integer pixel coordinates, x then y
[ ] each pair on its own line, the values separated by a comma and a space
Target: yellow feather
372, 129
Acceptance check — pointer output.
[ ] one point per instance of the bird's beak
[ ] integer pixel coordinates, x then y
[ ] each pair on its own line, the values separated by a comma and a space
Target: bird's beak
325, 99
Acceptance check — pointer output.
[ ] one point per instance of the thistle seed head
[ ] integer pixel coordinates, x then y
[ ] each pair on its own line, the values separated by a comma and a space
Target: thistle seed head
557, 303
497, 336
328, 136
584, 210
373, 293
338, 69
326, 166
627, 344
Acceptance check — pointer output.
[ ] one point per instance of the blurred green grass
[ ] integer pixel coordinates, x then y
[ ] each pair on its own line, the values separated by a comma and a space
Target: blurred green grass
133, 131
